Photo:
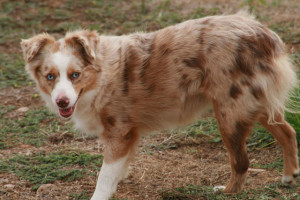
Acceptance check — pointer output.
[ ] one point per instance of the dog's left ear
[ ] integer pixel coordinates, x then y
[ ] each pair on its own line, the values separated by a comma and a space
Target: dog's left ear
85, 43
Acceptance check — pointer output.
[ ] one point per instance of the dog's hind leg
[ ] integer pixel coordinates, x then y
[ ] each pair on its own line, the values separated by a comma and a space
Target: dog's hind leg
286, 136
234, 132
117, 155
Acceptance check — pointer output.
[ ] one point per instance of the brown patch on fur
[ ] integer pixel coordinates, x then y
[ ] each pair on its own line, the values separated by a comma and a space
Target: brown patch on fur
45, 84
257, 92
79, 50
110, 120
84, 43
263, 45
132, 62
146, 62
88, 80
120, 147
55, 47
235, 91
201, 39
165, 49
151, 88
245, 82
206, 21
196, 63
205, 79
265, 68
107, 127
185, 82
159, 52
267, 44
238, 146
242, 61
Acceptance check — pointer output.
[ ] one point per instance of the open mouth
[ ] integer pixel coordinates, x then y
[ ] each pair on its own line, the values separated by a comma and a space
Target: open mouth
67, 112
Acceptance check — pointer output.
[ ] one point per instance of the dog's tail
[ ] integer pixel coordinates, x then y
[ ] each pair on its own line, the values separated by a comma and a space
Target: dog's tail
281, 90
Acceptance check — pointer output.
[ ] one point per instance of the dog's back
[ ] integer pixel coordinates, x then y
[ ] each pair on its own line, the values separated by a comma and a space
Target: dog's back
168, 77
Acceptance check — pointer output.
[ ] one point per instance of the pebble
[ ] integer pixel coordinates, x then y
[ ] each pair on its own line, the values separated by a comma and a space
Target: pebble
9, 187
23, 109
45, 190
4, 180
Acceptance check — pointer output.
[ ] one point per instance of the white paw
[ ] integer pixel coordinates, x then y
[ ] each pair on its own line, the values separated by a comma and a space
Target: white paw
220, 187
296, 173
288, 180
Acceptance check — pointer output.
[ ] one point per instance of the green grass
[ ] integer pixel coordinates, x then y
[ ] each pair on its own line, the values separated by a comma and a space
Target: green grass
12, 73
192, 192
104, 16
42, 168
32, 128
81, 196
286, 33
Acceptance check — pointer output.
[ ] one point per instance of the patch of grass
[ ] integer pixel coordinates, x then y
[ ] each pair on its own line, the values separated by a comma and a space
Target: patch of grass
42, 168
296, 57
192, 192
6, 109
260, 138
33, 128
12, 73
188, 135
207, 127
294, 120
285, 31
81, 196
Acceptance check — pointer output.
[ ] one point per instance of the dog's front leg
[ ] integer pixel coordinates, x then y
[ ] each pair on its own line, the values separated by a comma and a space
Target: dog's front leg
109, 177
117, 154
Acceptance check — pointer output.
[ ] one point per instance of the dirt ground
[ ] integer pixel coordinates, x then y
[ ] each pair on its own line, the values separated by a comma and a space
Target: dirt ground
194, 160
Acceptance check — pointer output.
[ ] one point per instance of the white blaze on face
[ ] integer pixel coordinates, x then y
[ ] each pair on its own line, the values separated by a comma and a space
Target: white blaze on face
64, 86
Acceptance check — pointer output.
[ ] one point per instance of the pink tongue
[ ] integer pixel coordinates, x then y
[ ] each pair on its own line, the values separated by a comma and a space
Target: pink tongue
66, 112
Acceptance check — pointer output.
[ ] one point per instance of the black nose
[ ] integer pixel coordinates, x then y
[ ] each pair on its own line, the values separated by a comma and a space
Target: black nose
62, 102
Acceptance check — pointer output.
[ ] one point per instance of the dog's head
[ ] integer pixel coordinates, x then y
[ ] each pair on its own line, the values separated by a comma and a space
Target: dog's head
64, 70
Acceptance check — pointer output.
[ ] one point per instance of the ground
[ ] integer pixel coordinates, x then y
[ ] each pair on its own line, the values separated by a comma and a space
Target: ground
43, 157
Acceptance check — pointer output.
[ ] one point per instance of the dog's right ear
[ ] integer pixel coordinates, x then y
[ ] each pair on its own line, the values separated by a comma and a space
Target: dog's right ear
33, 46
85, 43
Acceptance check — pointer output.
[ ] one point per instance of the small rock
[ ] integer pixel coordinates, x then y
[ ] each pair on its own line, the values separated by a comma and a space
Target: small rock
256, 170
9, 187
23, 109
219, 188
4, 180
57, 137
28, 153
45, 190
25, 146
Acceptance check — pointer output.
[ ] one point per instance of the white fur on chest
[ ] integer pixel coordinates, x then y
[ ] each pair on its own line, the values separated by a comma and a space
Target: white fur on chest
86, 118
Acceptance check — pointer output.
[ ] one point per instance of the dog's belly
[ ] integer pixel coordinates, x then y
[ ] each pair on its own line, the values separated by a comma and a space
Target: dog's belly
183, 112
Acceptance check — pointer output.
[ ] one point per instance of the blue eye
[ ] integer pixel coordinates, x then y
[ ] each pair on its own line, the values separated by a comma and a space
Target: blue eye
50, 77
75, 75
